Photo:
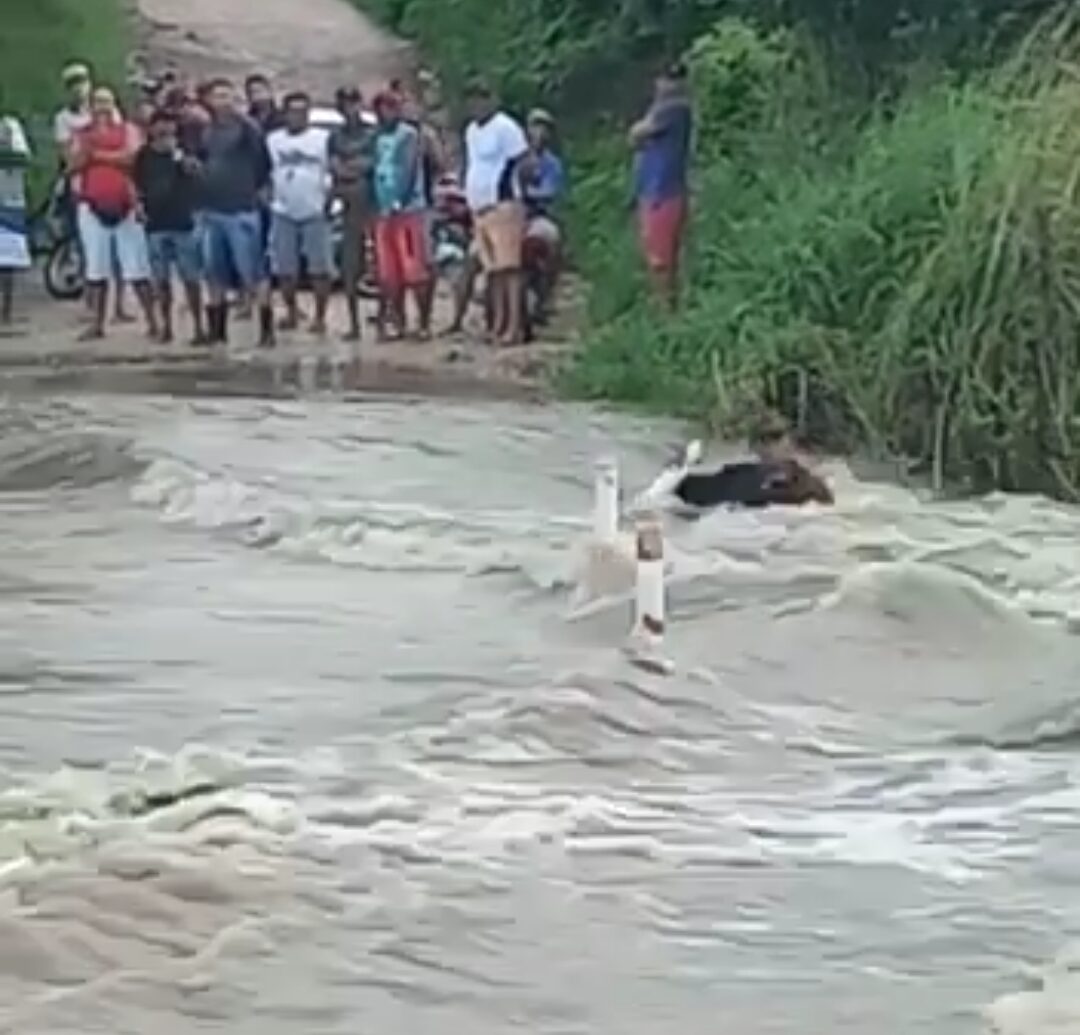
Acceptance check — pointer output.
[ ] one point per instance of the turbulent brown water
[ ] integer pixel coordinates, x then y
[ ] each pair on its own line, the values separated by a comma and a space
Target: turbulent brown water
298, 737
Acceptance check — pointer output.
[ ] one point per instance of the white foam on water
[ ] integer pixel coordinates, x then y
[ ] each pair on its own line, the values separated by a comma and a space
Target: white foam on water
356, 533
1052, 1007
152, 870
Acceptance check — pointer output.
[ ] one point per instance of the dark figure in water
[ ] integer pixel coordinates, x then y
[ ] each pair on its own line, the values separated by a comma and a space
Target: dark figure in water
754, 484
776, 478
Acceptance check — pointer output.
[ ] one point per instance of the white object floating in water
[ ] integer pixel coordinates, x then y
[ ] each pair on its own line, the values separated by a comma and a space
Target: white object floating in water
647, 636
661, 494
307, 373
606, 514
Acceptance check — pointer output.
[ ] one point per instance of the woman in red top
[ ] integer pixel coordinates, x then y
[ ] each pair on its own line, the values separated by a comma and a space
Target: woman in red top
109, 225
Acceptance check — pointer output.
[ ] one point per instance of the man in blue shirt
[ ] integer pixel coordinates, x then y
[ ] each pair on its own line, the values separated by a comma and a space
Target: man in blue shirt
543, 185
661, 141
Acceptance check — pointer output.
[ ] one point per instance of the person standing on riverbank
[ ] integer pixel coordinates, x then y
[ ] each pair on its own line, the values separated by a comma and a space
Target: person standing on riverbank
542, 190
74, 116
300, 225
166, 187
71, 119
234, 181
352, 159
102, 156
263, 109
14, 249
495, 147
402, 253
661, 142
432, 162
262, 105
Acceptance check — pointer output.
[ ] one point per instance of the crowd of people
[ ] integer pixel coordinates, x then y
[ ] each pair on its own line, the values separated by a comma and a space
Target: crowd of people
240, 199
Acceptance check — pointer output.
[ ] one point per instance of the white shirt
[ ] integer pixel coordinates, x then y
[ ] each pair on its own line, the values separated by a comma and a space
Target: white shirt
489, 148
67, 123
13, 181
301, 172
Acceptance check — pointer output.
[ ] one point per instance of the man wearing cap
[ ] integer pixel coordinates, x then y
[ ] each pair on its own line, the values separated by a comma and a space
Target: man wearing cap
542, 189
402, 251
74, 116
495, 149
352, 157
661, 142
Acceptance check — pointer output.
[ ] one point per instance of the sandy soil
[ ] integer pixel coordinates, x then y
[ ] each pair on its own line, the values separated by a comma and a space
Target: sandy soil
317, 44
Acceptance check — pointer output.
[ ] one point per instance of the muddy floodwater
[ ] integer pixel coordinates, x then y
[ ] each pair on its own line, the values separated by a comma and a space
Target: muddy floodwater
302, 734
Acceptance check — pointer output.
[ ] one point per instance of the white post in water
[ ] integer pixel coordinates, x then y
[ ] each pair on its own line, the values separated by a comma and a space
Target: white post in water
606, 516
307, 373
648, 632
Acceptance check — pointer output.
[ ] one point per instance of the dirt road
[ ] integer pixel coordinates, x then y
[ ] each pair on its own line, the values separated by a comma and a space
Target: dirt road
316, 44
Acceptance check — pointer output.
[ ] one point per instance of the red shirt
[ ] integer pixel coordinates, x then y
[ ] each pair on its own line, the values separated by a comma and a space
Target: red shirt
102, 184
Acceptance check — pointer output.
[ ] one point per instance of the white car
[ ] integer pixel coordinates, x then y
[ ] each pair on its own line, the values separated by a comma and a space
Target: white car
330, 118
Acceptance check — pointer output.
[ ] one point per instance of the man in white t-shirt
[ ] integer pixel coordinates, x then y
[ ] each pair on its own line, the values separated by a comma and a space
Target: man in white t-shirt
74, 116
300, 224
495, 149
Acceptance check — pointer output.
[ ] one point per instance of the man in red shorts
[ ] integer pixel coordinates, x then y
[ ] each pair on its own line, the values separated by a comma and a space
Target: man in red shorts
661, 141
402, 251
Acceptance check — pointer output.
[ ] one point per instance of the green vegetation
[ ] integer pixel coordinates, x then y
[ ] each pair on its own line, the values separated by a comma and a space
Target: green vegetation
910, 286
886, 242
37, 38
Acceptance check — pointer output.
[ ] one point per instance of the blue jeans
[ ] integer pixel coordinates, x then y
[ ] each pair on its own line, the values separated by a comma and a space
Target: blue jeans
174, 250
232, 245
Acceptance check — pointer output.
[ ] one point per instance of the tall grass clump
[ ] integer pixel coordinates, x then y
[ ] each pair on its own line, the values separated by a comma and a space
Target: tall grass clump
910, 281
37, 38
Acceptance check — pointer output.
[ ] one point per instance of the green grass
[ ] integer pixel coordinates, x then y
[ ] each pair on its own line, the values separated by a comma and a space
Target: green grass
40, 36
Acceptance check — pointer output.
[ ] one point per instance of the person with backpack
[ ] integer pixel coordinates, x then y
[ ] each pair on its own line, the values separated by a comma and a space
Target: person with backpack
102, 156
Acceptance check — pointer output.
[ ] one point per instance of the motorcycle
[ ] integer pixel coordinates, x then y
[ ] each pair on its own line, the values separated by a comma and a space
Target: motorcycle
54, 237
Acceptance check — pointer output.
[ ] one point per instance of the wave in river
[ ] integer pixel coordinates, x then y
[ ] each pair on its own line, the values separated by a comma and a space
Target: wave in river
136, 877
991, 562
355, 533
34, 460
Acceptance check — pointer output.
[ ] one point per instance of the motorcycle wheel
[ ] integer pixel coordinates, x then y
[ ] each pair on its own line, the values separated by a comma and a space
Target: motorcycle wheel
368, 288
65, 271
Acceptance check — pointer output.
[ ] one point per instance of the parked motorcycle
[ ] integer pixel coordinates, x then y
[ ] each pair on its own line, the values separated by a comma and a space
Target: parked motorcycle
54, 238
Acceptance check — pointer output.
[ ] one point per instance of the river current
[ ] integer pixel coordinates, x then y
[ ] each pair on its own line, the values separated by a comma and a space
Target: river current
303, 733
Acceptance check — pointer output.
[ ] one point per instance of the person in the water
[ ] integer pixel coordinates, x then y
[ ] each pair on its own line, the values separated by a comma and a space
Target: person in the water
775, 478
